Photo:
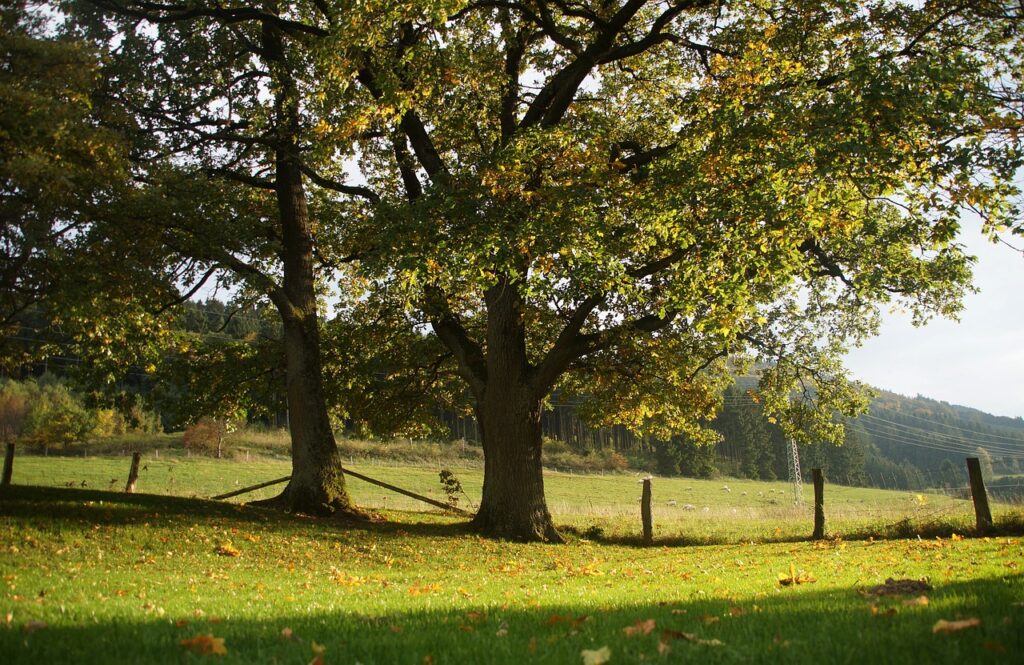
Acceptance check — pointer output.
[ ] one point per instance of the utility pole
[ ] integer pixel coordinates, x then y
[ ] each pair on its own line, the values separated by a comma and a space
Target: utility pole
794, 474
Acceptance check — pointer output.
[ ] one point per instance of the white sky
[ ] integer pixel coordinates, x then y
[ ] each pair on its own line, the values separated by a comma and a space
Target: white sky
978, 362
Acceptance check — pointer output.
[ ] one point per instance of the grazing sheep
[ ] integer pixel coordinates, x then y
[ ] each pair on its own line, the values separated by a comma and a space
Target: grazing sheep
689, 506
725, 488
743, 493
760, 493
706, 509
672, 502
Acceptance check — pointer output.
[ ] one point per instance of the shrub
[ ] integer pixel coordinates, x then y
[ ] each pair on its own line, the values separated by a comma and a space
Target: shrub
14, 408
57, 417
207, 436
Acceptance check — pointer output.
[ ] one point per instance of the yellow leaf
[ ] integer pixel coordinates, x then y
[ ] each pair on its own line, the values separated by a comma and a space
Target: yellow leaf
944, 627
227, 549
795, 578
920, 600
318, 649
596, 656
206, 645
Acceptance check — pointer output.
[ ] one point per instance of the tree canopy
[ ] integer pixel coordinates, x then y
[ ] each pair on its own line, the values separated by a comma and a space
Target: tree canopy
634, 200
629, 201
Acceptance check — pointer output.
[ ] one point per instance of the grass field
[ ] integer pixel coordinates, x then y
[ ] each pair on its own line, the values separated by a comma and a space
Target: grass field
97, 577
685, 510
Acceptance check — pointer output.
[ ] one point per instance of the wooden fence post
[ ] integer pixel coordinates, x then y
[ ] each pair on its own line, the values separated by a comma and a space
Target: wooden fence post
133, 473
819, 504
982, 514
645, 512
8, 465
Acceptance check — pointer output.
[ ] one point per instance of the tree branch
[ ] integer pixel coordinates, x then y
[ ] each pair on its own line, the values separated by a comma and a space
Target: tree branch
451, 332
334, 185
188, 294
156, 12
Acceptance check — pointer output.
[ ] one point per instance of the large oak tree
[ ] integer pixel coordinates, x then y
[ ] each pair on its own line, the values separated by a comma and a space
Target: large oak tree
239, 176
632, 200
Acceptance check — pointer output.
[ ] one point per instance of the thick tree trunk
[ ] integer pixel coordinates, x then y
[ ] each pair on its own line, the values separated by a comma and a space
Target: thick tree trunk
513, 505
317, 485
509, 410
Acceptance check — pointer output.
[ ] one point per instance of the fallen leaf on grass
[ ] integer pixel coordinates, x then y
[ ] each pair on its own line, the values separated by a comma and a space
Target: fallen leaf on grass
899, 587
287, 634
689, 637
318, 649
736, 611
945, 627
887, 612
709, 619
920, 600
596, 656
575, 621
502, 630
33, 626
639, 627
795, 578
227, 549
206, 645
317, 660
415, 590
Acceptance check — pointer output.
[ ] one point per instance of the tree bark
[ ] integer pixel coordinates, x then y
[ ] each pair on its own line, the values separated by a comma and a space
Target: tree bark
317, 485
508, 410
513, 505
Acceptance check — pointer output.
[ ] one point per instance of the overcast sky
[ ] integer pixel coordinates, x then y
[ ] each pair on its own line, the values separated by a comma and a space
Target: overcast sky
978, 362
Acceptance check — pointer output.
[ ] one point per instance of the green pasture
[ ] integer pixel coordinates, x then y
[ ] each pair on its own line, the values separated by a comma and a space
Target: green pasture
684, 509
98, 577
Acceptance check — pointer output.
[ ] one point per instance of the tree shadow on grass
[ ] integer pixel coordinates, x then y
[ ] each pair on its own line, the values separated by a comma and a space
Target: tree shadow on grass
798, 625
1007, 524
98, 507
118, 508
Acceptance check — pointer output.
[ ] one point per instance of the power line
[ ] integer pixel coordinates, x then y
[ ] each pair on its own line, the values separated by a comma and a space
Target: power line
995, 436
945, 438
906, 437
918, 443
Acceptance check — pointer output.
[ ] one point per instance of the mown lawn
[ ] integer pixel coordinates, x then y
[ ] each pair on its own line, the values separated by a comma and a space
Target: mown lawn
97, 577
